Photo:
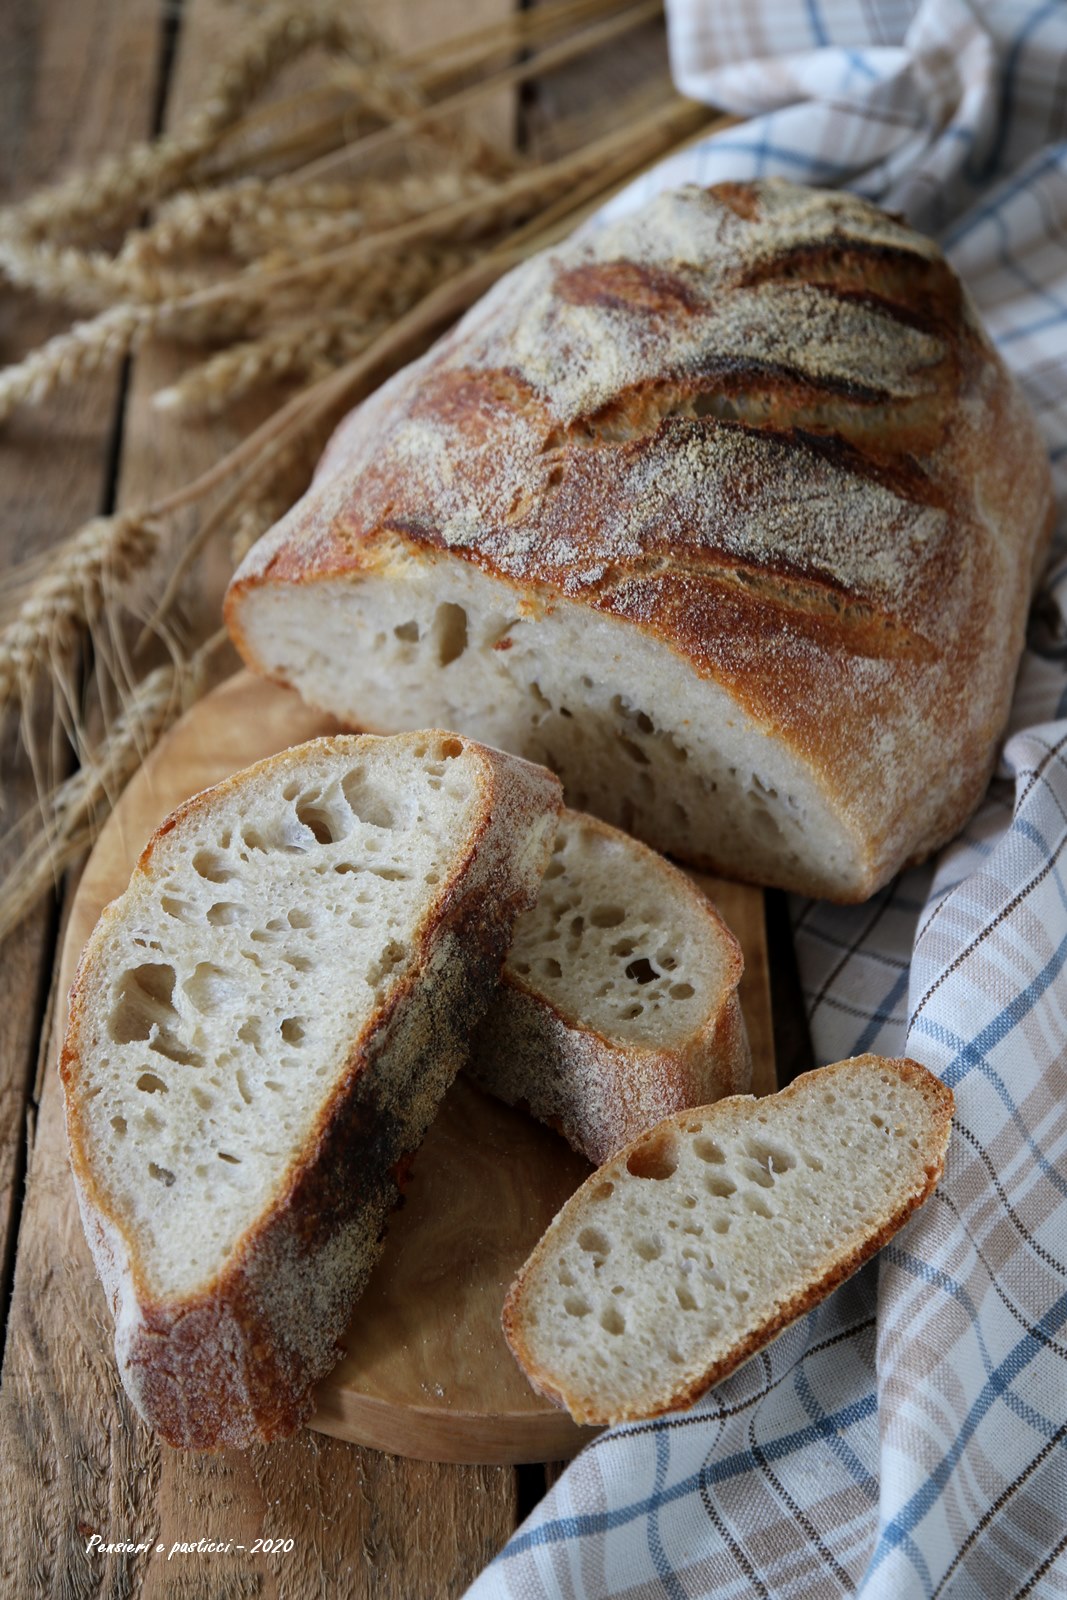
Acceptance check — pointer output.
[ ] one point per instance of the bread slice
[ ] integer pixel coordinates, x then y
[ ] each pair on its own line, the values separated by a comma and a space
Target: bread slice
704, 1238
618, 1003
260, 1031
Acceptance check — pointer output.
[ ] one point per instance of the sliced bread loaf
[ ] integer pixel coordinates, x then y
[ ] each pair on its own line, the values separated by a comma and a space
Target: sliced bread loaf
260, 1031
703, 1239
618, 1003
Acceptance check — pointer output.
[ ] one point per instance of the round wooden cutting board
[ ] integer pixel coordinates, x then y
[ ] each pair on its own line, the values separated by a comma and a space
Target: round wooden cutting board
426, 1371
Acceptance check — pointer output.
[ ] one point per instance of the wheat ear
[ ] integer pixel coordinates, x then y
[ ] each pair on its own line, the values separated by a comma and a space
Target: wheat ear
102, 557
122, 184
74, 808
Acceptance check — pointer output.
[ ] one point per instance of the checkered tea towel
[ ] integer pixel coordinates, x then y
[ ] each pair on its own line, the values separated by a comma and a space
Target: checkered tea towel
908, 1437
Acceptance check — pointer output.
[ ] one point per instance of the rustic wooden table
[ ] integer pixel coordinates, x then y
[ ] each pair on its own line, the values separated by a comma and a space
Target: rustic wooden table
77, 81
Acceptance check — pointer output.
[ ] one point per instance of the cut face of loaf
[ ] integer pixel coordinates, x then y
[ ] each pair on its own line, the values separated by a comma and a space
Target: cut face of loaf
727, 511
618, 1003
261, 1029
703, 1239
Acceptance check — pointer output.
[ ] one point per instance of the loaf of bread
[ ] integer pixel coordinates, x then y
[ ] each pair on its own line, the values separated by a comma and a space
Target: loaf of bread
703, 1239
260, 1032
618, 1003
729, 513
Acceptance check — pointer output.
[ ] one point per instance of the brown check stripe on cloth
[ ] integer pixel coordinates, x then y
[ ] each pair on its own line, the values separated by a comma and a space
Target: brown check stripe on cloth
909, 1437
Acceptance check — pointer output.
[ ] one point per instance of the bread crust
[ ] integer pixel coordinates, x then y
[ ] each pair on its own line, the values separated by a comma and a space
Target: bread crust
234, 1363
840, 529
598, 1093
587, 1408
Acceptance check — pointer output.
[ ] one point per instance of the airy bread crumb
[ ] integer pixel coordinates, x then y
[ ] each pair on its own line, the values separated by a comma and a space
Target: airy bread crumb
703, 1239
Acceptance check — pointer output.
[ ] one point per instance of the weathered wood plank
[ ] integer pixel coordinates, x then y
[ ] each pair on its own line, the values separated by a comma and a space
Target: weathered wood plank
74, 82
82, 1464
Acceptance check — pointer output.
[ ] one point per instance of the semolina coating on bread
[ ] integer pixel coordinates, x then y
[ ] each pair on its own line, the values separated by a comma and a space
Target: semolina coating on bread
728, 511
700, 1241
261, 1030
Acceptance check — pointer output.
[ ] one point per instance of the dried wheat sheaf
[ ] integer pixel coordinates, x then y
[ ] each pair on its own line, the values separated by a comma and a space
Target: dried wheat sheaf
319, 235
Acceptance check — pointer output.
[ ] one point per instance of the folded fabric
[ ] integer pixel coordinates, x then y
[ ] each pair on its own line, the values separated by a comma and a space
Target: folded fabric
909, 1437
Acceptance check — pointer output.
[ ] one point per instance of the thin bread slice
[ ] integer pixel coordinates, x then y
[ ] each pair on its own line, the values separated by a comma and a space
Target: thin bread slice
260, 1031
618, 1004
703, 1239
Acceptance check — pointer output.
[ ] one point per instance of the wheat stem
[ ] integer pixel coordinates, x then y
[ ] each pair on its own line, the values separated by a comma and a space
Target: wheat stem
105, 553
142, 174
73, 810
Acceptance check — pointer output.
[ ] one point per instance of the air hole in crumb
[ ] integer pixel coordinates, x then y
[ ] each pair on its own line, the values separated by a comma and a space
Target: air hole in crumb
143, 1003
772, 1156
607, 916
148, 1083
225, 913
407, 631
592, 1240
681, 991
565, 1276
755, 1173
612, 1321
292, 1030
235, 1161
649, 1249
575, 1305
685, 1299
654, 1157
756, 1204
813, 1163
449, 633
625, 947
369, 803
707, 1150
299, 919
550, 967
119, 1125
212, 865
321, 819
631, 1012
160, 1173
633, 750
211, 988
175, 906
721, 1225
641, 970
720, 1187
603, 1191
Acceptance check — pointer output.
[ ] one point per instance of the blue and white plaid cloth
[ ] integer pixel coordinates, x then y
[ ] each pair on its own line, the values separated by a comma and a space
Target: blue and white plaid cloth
909, 1437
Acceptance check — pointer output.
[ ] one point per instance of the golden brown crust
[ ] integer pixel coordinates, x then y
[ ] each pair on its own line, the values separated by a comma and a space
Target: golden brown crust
234, 1364
839, 528
588, 1409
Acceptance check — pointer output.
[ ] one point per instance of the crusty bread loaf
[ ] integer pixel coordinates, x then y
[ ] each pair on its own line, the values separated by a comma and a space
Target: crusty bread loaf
728, 512
703, 1239
618, 1003
260, 1031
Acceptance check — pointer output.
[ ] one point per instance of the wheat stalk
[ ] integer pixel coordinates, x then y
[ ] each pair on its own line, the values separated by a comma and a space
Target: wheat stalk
272, 235
122, 184
51, 839
104, 554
